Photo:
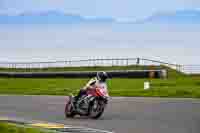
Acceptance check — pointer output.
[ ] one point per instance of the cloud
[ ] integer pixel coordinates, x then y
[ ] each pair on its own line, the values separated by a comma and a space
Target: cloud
103, 8
51, 17
173, 17
59, 17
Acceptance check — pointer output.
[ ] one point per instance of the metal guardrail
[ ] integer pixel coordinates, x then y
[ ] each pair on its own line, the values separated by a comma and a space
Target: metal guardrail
190, 69
70, 63
87, 62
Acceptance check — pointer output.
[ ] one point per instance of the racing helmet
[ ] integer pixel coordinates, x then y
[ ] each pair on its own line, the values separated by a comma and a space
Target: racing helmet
102, 76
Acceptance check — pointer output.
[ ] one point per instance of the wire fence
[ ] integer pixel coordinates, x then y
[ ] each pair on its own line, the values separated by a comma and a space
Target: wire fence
87, 62
190, 69
101, 62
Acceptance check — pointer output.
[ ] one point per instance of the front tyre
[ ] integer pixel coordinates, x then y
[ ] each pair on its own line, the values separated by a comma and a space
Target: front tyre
96, 109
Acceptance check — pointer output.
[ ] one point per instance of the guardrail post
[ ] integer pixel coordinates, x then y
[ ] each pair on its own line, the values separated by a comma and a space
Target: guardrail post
138, 61
112, 61
127, 62
179, 68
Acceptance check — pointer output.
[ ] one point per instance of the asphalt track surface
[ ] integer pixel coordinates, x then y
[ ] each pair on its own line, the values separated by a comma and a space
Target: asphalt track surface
123, 115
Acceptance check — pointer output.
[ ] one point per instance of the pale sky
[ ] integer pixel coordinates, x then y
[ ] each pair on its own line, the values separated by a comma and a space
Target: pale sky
30, 43
120, 9
50, 44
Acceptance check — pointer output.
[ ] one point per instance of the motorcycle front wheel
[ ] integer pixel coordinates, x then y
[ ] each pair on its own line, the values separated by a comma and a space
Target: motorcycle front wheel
96, 109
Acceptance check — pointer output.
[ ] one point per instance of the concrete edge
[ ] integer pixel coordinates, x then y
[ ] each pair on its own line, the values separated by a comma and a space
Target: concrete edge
49, 126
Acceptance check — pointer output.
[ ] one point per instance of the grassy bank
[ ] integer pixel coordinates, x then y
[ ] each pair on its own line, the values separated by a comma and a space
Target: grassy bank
176, 85
179, 87
12, 128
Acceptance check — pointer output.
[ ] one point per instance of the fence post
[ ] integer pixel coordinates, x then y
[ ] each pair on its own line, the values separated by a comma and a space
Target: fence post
138, 61
127, 62
112, 61
179, 66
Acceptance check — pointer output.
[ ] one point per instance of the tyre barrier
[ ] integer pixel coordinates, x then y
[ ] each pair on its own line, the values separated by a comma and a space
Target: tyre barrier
88, 74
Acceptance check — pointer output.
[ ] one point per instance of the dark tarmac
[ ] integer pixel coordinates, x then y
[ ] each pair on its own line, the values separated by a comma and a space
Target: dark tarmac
123, 115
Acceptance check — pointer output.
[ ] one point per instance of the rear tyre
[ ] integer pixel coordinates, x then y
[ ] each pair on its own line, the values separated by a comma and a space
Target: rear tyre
69, 113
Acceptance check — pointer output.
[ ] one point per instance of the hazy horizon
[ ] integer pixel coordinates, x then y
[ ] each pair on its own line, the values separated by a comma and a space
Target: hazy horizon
62, 43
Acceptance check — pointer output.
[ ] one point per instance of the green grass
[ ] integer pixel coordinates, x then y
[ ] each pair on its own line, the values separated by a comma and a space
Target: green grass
176, 85
12, 128
180, 87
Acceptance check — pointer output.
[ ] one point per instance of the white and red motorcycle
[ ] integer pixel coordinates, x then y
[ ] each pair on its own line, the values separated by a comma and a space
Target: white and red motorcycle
92, 104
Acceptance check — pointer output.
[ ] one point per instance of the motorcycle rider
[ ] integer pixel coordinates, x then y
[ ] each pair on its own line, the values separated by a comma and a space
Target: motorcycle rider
100, 79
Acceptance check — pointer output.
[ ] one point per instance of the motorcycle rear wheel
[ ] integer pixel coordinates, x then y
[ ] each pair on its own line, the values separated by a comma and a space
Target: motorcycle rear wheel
69, 109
